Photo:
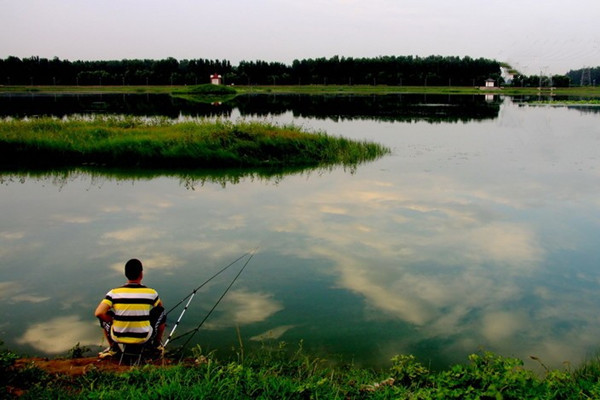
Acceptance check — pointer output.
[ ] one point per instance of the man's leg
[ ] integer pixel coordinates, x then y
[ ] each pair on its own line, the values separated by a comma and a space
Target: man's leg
158, 320
106, 329
112, 348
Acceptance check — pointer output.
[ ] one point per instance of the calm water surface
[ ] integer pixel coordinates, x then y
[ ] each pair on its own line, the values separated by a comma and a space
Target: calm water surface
480, 231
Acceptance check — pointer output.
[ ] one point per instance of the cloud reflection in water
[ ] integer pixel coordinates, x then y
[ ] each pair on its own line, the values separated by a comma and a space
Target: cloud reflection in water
58, 335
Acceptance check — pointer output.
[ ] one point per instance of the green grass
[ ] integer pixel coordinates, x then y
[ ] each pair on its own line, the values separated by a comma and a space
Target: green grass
208, 89
309, 89
565, 103
162, 143
275, 373
384, 89
205, 93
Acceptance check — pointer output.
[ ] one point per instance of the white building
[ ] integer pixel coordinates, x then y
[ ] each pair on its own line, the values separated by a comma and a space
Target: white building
215, 79
490, 83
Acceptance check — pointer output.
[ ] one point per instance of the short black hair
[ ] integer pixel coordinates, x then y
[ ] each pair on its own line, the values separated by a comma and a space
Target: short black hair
133, 269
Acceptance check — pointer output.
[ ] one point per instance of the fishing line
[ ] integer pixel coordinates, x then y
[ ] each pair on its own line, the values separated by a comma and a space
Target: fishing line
191, 296
208, 280
192, 332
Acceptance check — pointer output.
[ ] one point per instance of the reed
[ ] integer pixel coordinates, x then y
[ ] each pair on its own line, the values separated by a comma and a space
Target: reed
125, 141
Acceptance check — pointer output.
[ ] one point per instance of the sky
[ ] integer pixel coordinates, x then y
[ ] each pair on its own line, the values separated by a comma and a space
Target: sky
549, 37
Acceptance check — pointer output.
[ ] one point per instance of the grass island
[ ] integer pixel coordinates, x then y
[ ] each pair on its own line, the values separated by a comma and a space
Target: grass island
127, 141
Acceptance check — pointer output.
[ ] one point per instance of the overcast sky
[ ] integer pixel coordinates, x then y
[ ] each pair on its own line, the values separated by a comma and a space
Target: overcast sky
550, 36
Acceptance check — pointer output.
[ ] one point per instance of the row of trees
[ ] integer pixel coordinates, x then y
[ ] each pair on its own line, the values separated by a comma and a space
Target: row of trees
389, 70
541, 81
578, 77
41, 71
585, 76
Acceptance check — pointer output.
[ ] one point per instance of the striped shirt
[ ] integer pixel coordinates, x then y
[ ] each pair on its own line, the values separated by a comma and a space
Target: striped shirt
132, 304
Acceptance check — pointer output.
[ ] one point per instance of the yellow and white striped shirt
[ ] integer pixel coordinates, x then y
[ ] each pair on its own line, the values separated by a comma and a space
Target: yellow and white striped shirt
132, 304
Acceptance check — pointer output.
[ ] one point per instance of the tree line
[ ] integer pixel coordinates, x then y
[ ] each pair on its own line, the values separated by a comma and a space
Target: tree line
541, 81
385, 70
42, 71
585, 76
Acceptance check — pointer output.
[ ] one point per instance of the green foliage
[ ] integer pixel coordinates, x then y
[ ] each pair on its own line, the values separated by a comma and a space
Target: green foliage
585, 76
7, 359
408, 372
385, 70
277, 372
491, 376
139, 142
78, 351
565, 103
207, 93
535, 81
28, 376
208, 89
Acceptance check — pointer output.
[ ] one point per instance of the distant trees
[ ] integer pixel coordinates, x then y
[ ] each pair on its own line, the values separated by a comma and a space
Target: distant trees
579, 77
585, 76
41, 71
541, 81
388, 70
385, 70
34, 71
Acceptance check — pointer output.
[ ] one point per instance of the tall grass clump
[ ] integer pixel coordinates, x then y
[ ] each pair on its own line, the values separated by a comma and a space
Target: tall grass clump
163, 143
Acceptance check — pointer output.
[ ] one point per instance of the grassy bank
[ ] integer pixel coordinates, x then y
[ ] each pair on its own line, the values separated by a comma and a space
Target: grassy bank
464, 90
310, 89
162, 143
567, 103
205, 93
273, 373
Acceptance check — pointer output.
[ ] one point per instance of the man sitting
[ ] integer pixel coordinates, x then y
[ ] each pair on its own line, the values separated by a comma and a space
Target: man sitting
131, 314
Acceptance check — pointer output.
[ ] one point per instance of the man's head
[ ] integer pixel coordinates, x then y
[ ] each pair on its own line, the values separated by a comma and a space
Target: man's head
133, 269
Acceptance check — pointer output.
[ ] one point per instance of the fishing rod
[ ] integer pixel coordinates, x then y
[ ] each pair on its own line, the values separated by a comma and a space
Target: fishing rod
192, 332
210, 279
193, 293
191, 296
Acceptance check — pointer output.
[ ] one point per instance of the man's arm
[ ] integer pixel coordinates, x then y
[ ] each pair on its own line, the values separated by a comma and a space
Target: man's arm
102, 312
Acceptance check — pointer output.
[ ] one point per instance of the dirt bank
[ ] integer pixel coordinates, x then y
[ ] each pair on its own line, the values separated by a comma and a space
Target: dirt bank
78, 366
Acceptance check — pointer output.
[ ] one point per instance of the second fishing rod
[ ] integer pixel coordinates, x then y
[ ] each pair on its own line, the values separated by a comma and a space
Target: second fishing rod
190, 297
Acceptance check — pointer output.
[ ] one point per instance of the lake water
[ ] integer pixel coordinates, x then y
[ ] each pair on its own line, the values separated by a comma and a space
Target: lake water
479, 231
